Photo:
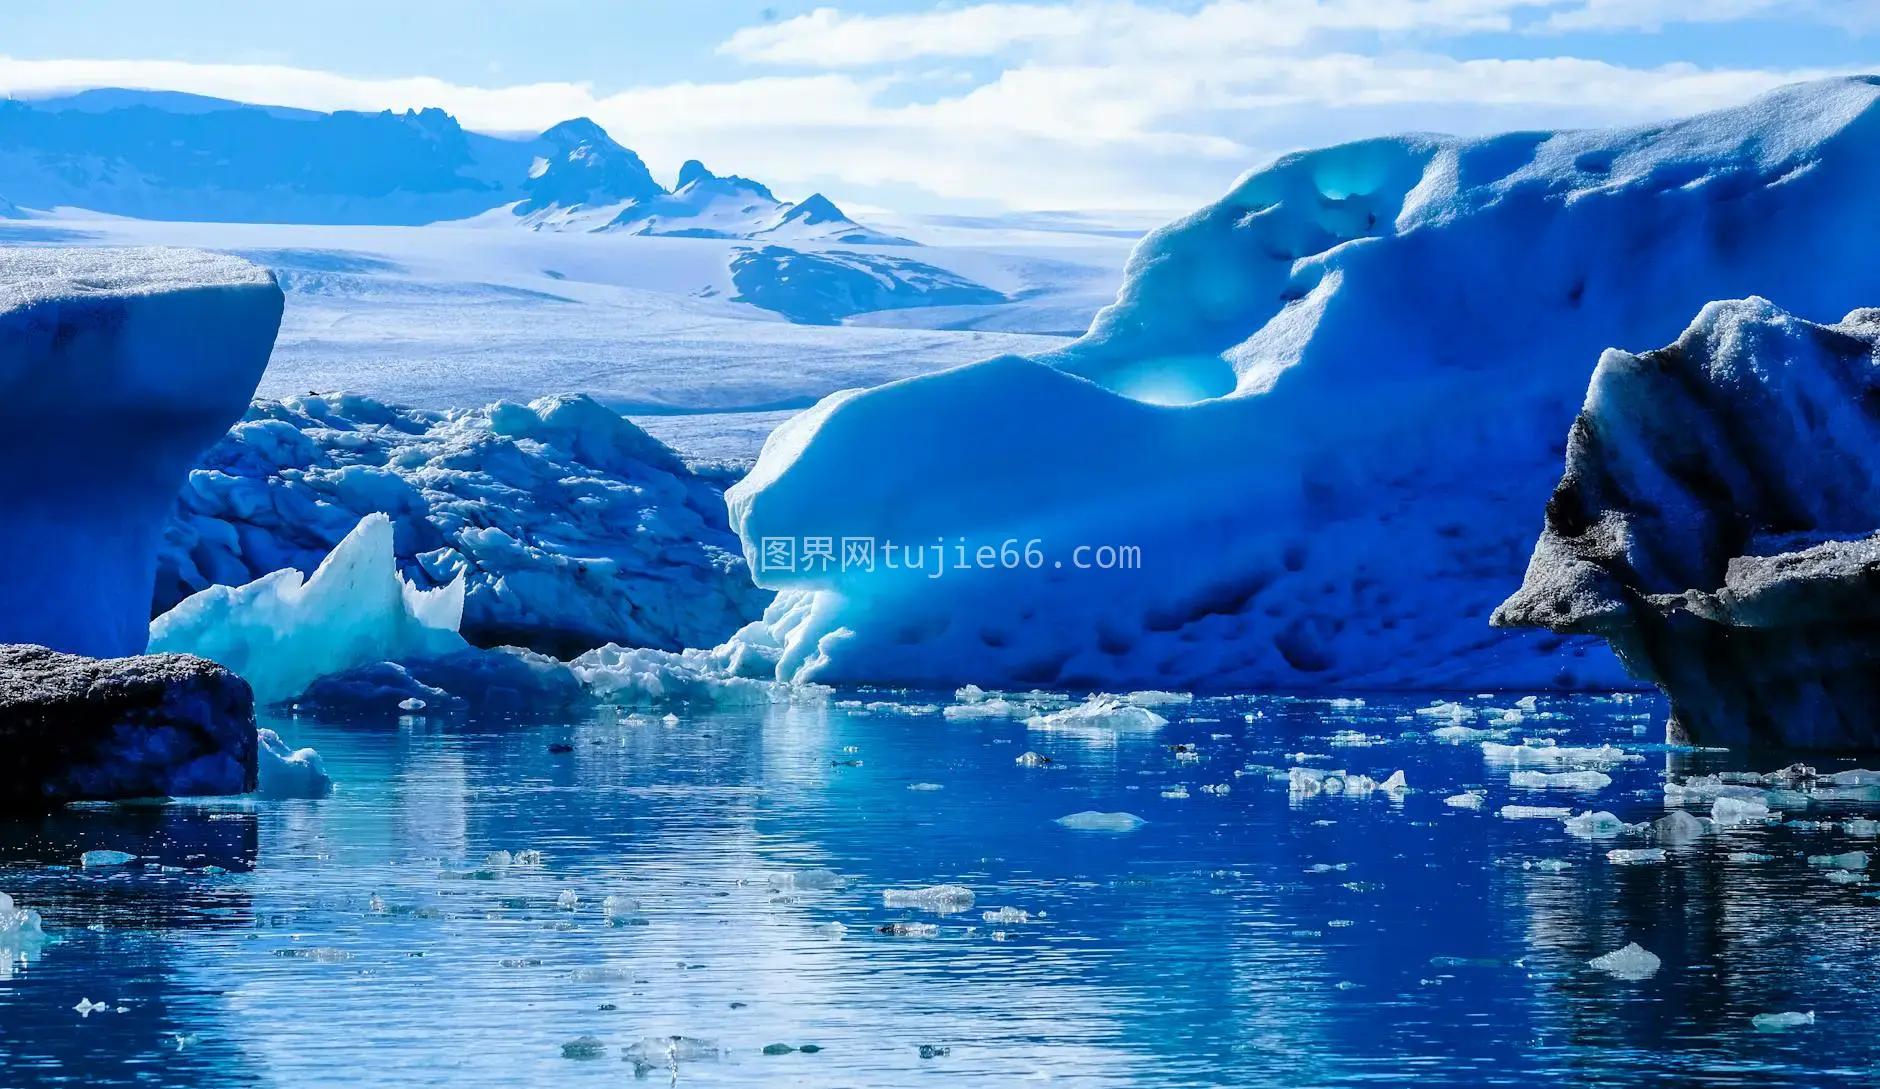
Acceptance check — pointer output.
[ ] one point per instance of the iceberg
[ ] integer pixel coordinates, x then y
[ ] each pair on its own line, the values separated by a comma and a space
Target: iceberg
1719, 524
1301, 449
283, 631
118, 367
571, 527
1632, 962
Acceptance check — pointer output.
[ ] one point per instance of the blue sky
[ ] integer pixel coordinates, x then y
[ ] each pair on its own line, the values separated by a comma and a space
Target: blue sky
921, 105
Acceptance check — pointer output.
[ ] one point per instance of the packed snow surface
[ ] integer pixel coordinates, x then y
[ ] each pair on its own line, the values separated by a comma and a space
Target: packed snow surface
1307, 446
117, 368
284, 630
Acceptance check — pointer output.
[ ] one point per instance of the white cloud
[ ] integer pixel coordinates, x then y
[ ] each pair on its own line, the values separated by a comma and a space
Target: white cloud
1111, 103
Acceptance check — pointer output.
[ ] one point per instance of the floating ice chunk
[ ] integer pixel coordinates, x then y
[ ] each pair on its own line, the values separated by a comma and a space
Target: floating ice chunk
909, 930
971, 693
1862, 828
584, 1047
1100, 713
1560, 780
996, 707
642, 677
1780, 1022
1309, 782
941, 899
1628, 856
21, 935
812, 880
1631, 962
1727, 811
284, 772
1846, 877
1679, 827
1090, 820
1535, 812
1527, 703
412, 704
569, 900
656, 1052
92, 860
1468, 800
1457, 735
1749, 856
832, 930
1353, 739
1006, 915
1031, 760
1852, 860
1546, 754
1158, 699
926, 786
283, 631
1453, 712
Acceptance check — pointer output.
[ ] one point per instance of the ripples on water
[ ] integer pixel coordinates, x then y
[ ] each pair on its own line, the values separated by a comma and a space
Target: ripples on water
1245, 938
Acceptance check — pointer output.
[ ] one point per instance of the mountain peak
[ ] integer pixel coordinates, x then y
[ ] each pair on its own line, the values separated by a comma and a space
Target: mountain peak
577, 163
692, 171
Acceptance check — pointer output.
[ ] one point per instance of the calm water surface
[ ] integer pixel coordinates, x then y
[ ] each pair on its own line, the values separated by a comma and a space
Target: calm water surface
1238, 938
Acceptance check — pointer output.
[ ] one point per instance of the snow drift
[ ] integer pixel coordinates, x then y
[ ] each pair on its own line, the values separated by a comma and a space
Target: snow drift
117, 369
1719, 524
1323, 409
284, 630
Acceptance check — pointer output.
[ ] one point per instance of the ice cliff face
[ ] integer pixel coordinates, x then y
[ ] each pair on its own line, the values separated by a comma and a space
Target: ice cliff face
570, 527
1717, 524
1320, 411
117, 369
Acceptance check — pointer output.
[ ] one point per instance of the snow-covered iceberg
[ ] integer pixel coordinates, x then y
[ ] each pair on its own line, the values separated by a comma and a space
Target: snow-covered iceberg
1304, 447
285, 630
1719, 524
118, 367
570, 527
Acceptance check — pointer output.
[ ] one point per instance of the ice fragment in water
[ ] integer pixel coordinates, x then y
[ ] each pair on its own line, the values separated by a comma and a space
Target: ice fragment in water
909, 930
1100, 713
1631, 962
1032, 760
1852, 860
1006, 915
568, 900
1642, 854
1465, 801
1091, 820
583, 1047
94, 859
1535, 812
1596, 825
1861, 828
1779, 1022
1731, 810
1678, 827
937, 898
413, 704
1560, 780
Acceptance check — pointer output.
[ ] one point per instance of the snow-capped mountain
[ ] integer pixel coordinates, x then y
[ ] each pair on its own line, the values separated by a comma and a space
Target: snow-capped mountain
170, 156
591, 183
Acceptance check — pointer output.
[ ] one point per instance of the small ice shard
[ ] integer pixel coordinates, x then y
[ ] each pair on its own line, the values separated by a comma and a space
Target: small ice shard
1100, 713
1678, 827
616, 906
1626, 856
411, 704
86, 1007
1177, 792
1596, 825
1091, 820
284, 630
925, 786
1456, 735
909, 930
1749, 856
584, 1047
1781, 1022
1467, 800
1006, 915
92, 860
971, 693
1454, 712
943, 899
285, 772
1631, 962
652, 1052
569, 900
1852, 860
1535, 812
1032, 760
1549, 865
1560, 780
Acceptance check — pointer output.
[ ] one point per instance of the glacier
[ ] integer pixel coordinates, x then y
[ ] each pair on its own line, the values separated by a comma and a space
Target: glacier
118, 367
1719, 523
569, 527
1323, 410
285, 630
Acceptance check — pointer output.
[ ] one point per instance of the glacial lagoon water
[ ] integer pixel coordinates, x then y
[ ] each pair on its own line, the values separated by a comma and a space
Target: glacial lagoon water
1246, 937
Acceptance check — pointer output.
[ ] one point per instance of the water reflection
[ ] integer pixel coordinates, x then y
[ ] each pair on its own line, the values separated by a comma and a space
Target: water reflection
1244, 936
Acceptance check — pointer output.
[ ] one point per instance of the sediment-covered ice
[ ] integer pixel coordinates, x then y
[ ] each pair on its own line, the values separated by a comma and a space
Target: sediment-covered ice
1305, 447
118, 367
1719, 523
284, 630
570, 527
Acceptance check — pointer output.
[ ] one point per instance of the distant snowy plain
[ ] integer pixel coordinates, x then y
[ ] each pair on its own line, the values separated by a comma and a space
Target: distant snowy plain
459, 315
